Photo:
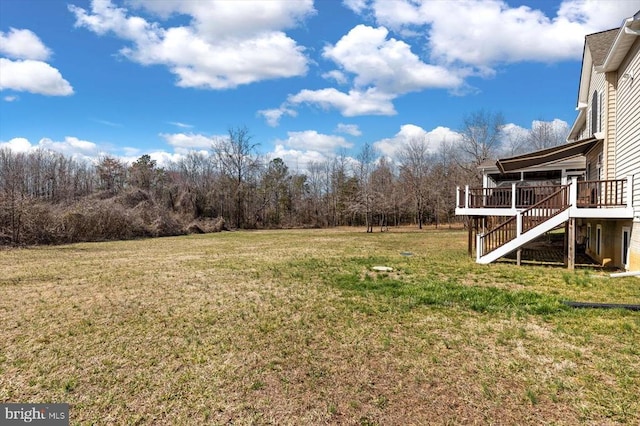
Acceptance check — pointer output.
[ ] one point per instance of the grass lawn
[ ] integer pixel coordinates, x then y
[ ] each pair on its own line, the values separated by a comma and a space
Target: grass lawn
294, 327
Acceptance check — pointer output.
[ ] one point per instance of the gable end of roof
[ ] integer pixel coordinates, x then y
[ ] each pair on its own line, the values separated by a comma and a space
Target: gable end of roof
600, 43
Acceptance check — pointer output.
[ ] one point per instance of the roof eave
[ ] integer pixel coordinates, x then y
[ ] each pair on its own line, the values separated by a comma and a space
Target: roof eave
578, 123
621, 45
585, 77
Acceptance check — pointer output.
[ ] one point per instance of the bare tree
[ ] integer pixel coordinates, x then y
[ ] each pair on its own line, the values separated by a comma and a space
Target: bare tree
443, 180
383, 190
341, 189
194, 186
298, 200
547, 134
238, 160
12, 194
363, 201
415, 162
481, 136
515, 141
318, 185
275, 191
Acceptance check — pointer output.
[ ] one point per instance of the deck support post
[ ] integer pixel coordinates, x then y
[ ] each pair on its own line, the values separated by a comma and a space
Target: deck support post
571, 250
519, 257
470, 224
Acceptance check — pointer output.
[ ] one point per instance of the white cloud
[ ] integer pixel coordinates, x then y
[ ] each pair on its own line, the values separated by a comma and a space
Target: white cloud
541, 134
27, 71
358, 6
514, 138
273, 116
381, 69
181, 125
10, 98
312, 140
163, 158
511, 130
386, 63
23, 44
461, 39
301, 148
390, 147
297, 159
227, 44
71, 146
557, 125
221, 18
17, 145
489, 32
336, 75
597, 15
131, 151
32, 76
185, 142
350, 129
91, 152
107, 122
354, 103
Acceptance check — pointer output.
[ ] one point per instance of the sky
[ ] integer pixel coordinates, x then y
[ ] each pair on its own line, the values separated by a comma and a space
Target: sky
308, 79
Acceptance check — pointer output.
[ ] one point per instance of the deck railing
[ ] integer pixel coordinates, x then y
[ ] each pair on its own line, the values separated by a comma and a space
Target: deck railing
524, 221
503, 197
602, 193
591, 194
462, 196
494, 197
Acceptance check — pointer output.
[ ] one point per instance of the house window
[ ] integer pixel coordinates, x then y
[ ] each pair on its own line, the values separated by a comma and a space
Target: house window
598, 239
626, 239
596, 112
599, 166
600, 108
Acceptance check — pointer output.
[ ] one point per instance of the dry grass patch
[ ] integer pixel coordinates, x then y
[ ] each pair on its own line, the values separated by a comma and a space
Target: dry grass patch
293, 327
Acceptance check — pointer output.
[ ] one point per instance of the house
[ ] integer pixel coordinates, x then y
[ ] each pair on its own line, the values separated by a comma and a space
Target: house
590, 185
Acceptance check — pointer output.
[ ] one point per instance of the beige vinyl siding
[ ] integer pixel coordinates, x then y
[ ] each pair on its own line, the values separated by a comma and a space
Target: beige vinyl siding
609, 126
592, 162
627, 152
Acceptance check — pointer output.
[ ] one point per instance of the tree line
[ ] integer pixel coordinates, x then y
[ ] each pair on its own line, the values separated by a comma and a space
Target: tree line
49, 198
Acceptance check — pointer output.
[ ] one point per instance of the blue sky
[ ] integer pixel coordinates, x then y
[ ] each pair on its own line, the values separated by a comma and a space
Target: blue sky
308, 79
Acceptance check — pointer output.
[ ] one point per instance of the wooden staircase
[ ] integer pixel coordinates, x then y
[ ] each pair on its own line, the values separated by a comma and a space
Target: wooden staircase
527, 225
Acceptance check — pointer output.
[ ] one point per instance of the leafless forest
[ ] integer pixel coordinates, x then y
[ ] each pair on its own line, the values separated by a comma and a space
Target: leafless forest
49, 198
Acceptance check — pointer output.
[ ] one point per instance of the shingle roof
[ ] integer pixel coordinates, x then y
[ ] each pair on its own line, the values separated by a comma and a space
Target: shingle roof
600, 43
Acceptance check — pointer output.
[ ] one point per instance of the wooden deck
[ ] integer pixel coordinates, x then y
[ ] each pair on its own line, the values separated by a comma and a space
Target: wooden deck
591, 194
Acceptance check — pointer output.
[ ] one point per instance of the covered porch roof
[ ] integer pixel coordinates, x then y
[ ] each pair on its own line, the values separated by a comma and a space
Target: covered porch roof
548, 155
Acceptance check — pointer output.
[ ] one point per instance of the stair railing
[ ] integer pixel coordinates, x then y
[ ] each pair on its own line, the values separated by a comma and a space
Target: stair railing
497, 237
526, 220
545, 209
